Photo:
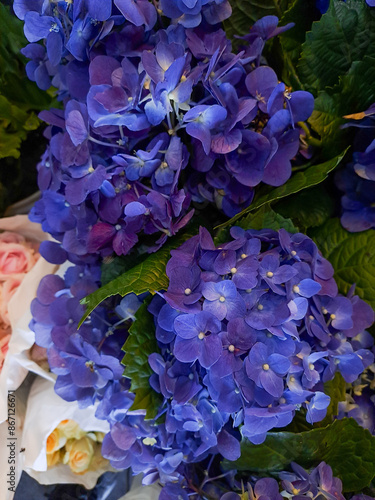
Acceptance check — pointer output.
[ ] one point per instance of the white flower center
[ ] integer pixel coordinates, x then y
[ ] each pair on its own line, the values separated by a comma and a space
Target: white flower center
148, 441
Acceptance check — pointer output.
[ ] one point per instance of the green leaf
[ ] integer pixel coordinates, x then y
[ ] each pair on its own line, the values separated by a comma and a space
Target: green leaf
265, 217
336, 390
345, 34
13, 82
301, 180
147, 276
354, 93
302, 13
140, 343
14, 124
11, 29
113, 267
10, 144
352, 256
222, 236
348, 448
32, 122
246, 12
309, 208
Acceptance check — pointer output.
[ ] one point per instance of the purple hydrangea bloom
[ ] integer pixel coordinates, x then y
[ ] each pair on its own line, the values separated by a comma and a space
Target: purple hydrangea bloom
300, 484
197, 338
118, 151
223, 300
260, 352
267, 370
357, 178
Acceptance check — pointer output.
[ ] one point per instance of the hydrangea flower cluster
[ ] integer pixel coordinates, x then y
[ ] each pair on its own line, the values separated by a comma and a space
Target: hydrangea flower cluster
85, 363
360, 399
248, 332
357, 180
260, 316
320, 482
160, 117
154, 118
299, 484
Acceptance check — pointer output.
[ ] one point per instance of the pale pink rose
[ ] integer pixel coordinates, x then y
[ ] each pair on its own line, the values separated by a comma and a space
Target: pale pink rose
16, 258
9, 237
7, 290
4, 330
4, 346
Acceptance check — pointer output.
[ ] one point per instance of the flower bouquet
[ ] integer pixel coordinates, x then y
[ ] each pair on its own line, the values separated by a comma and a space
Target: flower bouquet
21, 269
63, 443
212, 310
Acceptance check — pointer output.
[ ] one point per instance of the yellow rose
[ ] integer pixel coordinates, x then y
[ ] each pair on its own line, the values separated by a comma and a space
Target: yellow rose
99, 436
79, 454
55, 441
53, 458
70, 429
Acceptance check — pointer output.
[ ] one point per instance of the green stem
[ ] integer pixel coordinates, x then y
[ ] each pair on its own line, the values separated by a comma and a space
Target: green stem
292, 70
277, 8
314, 142
309, 138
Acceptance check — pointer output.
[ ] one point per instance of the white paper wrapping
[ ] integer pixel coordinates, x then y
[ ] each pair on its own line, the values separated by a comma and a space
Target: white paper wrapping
17, 362
44, 411
5, 439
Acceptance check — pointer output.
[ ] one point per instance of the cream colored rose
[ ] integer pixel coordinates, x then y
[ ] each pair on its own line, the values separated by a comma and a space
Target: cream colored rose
53, 458
70, 429
79, 454
55, 441
99, 436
